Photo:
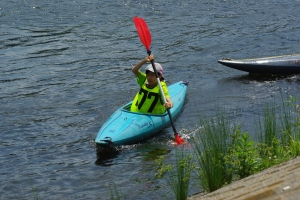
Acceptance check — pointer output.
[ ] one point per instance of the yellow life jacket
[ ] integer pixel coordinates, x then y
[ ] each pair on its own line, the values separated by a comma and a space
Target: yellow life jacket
149, 100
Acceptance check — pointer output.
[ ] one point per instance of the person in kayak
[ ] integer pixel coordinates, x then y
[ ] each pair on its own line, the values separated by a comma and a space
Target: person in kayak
149, 99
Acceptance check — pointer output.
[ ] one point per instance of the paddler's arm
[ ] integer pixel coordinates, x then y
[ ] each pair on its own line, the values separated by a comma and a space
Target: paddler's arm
168, 103
137, 67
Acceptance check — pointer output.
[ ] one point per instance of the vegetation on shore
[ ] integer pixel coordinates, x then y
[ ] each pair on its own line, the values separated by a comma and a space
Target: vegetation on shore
224, 153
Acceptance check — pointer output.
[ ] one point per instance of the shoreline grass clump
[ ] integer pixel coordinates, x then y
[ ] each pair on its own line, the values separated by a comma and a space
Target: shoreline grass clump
225, 153
242, 154
210, 145
278, 135
177, 175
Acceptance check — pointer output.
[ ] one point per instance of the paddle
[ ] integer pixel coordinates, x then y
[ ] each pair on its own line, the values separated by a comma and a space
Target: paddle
145, 37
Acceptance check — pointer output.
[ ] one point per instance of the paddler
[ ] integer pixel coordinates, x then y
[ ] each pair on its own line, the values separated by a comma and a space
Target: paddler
149, 99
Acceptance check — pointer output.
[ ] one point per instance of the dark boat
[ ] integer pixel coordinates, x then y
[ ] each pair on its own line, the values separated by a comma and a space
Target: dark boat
285, 64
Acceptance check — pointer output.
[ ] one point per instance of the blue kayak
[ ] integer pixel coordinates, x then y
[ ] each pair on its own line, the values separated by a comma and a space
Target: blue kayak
124, 127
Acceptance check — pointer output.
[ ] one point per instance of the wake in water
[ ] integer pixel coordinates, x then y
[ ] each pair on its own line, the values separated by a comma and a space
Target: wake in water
107, 156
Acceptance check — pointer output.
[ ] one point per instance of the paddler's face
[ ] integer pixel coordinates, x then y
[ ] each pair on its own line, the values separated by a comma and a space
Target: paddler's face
151, 78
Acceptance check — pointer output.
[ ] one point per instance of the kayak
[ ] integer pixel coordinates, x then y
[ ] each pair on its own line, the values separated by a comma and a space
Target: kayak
124, 127
285, 64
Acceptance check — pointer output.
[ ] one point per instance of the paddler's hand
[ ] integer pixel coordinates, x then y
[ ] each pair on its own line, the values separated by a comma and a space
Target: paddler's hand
149, 58
135, 69
169, 103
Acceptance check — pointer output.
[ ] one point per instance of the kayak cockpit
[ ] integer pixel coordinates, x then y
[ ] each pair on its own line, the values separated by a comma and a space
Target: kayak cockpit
127, 107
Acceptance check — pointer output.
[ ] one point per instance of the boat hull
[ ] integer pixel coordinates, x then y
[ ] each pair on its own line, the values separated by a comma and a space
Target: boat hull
286, 64
124, 127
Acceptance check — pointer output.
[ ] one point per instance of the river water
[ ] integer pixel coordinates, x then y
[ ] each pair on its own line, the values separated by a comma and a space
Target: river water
65, 68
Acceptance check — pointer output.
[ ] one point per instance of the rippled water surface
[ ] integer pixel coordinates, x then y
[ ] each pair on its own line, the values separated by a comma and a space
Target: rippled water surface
65, 68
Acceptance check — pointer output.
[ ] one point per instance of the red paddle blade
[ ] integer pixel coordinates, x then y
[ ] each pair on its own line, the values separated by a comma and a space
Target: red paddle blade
143, 31
178, 139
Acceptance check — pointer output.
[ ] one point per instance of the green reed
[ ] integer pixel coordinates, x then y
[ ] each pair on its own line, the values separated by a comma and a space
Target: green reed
225, 153
278, 136
114, 193
177, 175
242, 155
210, 145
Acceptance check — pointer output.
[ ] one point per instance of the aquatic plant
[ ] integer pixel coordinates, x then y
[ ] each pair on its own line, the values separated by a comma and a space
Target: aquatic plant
36, 197
278, 135
221, 158
114, 193
292, 125
177, 175
211, 145
225, 153
242, 155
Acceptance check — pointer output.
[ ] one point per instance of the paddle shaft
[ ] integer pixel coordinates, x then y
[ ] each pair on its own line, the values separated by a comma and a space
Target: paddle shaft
145, 37
162, 93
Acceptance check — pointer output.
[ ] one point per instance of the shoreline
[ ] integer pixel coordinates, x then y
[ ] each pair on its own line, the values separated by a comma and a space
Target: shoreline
278, 182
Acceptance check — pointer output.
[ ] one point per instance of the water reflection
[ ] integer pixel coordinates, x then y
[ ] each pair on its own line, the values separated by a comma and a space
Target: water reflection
148, 152
155, 153
262, 77
105, 156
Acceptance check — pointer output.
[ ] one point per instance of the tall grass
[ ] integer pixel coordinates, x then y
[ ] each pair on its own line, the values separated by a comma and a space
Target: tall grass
177, 175
210, 145
242, 155
114, 193
225, 153
278, 136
